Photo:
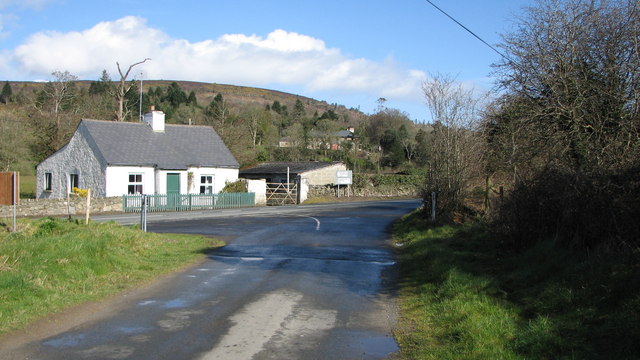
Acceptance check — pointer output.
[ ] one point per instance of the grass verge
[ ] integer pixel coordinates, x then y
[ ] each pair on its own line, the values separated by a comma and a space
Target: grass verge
463, 295
50, 264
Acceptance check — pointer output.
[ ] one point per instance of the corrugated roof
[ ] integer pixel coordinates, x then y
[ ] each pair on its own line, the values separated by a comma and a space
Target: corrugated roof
295, 167
178, 147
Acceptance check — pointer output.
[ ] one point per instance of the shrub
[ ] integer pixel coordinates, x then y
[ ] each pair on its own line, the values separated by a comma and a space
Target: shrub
579, 209
237, 186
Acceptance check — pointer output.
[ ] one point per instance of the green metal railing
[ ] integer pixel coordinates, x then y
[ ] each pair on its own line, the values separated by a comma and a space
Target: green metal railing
186, 202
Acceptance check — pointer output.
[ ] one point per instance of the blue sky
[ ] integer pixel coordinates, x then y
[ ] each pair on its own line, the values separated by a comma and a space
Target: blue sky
350, 52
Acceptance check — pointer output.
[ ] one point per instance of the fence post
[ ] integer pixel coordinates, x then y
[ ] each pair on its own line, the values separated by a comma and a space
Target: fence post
86, 218
143, 214
15, 197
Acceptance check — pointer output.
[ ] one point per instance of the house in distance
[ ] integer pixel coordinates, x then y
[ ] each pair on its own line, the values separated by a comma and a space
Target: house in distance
149, 157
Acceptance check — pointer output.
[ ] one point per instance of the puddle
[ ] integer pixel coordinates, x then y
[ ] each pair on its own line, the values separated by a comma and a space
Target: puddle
378, 346
129, 330
147, 302
64, 341
384, 263
252, 258
175, 303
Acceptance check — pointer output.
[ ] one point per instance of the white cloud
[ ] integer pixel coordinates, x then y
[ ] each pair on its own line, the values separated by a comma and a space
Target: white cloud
281, 57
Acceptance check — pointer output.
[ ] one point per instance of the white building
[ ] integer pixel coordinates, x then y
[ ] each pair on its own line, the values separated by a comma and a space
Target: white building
151, 157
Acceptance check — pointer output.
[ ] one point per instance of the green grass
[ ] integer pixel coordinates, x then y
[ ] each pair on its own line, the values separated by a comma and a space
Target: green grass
464, 296
27, 186
49, 264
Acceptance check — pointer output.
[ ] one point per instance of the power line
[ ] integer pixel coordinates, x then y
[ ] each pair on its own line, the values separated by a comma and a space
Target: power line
469, 31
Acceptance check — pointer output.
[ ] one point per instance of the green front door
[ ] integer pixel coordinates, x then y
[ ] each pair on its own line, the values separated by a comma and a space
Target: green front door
173, 190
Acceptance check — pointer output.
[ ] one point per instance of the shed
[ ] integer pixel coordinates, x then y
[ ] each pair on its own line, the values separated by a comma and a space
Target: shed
315, 172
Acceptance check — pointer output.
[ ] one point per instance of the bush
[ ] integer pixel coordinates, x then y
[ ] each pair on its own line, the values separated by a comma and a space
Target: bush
237, 186
584, 210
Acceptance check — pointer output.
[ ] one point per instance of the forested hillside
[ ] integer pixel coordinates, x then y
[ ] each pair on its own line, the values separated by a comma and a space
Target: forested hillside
36, 119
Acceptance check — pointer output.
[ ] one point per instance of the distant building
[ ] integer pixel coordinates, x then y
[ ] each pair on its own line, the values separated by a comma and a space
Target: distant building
320, 141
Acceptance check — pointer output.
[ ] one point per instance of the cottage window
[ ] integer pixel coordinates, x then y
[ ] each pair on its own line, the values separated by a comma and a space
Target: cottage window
74, 181
135, 184
206, 184
48, 181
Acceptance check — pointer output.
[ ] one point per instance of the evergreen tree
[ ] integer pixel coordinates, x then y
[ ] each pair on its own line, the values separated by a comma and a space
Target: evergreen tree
192, 100
102, 86
7, 93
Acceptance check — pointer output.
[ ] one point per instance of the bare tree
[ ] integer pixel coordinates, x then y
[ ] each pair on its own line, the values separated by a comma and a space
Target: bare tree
573, 69
57, 95
252, 117
123, 87
217, 114
456, 147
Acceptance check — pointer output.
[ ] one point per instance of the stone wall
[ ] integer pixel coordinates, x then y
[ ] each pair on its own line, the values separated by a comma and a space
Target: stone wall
367, 191
58, 207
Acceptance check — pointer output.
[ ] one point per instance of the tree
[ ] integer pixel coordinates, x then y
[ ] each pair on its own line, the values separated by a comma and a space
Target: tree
408, 142
567, 124
456, 148
192, 100
15, 138
123, 88
102, 86
255, 119
56, 96
299, 112
217, 113
175, 95
572, 68
6, 94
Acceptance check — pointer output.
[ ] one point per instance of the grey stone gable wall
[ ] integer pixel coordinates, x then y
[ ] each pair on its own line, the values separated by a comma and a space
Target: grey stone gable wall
178, 147
79, 156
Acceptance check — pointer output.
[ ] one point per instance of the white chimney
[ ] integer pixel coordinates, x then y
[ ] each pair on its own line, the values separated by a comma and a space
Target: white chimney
155, 119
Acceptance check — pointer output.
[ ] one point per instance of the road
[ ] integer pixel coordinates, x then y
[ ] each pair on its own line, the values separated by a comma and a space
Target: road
301, 282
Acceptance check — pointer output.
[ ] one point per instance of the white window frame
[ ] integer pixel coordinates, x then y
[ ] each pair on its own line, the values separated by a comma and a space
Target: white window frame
135, 183
206, 183
48, 181
74, 183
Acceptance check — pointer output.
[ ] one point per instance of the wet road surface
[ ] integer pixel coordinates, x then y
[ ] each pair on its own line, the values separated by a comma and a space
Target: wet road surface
299, 283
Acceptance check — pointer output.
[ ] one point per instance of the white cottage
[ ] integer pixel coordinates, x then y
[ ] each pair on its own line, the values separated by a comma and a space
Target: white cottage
150, 157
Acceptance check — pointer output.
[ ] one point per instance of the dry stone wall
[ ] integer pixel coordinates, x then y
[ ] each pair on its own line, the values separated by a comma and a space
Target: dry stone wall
368, 191
60, 207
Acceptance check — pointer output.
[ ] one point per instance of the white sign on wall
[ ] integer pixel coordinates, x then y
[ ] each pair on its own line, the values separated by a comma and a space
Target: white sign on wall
344, 177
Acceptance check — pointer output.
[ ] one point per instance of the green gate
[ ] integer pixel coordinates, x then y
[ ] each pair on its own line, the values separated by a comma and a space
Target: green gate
187, 202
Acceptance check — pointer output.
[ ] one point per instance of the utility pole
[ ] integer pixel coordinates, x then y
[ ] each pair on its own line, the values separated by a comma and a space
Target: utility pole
140, 101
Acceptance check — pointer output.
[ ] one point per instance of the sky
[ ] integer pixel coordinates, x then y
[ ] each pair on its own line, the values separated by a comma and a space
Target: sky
349, 52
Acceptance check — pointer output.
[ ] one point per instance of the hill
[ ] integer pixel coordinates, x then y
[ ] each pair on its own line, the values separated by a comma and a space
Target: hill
238, 97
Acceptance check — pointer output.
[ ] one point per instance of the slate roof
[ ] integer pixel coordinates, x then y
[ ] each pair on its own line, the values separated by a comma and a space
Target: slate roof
280, 168
345, 134
178, 147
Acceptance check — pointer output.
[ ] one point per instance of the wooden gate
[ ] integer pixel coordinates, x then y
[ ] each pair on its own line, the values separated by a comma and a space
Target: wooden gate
7, 190
282, 194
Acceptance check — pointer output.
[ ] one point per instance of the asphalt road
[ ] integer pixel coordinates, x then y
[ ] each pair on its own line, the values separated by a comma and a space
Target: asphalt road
300, 282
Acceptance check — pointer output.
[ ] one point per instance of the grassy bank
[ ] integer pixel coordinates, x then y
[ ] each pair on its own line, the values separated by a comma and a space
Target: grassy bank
464, 296
49, 264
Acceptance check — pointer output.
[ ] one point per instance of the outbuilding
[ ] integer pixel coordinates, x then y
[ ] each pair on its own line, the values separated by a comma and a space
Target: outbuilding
312, 172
